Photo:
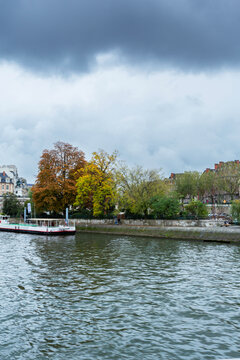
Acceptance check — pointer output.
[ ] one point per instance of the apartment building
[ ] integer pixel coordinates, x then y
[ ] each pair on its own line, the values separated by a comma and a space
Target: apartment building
6, 184
11, 182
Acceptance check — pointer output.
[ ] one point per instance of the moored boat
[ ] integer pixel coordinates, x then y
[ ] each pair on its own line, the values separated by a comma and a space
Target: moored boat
38, 226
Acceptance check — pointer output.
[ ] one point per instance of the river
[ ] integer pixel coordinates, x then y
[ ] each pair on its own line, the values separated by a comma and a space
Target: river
109, 297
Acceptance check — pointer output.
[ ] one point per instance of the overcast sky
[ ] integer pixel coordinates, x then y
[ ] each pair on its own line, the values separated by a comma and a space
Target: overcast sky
157, 80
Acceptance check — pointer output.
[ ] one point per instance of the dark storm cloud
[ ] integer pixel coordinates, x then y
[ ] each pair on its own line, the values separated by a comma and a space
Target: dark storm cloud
68, 34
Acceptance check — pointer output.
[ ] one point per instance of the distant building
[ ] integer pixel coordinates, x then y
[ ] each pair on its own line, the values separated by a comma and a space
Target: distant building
11, 182
227, 165
228, 174
21, 188
7, 184
227, 186
11, 171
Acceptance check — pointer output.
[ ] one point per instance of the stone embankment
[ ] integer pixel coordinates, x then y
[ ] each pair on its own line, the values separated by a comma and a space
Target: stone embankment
204, 230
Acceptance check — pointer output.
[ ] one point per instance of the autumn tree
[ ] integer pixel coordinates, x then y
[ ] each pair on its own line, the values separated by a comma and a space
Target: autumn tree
95, 183
136, 188
55, 187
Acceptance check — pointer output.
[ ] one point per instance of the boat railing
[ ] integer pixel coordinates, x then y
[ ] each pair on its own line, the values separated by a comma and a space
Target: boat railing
50, 223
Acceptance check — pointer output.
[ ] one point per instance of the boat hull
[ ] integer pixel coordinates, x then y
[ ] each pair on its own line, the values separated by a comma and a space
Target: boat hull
38, 230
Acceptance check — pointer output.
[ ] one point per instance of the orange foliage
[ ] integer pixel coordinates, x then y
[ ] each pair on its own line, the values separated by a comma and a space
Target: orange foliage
55, 187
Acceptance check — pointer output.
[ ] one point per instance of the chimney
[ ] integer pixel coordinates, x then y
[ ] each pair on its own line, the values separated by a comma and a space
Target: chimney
207, 170
216, 166
221, 163
172, 175
4, 174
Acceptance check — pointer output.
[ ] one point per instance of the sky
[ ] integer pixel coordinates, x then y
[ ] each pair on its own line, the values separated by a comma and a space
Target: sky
157, 80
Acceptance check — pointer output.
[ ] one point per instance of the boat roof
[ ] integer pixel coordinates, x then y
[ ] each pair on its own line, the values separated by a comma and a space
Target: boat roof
46, 219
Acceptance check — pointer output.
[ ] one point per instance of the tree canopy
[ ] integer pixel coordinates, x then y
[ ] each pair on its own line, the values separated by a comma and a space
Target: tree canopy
95, 183
55, 186
137, 186
187, 184
210, 185
229, 174
196, 208
165, 207
11, 205
235, 210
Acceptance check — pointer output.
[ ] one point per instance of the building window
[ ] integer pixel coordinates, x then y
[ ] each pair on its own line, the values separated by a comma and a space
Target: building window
7, 187
2, 187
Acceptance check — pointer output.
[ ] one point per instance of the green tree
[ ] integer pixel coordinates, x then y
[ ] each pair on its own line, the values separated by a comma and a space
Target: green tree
196, 208
95, 184
136, 187
235, 210
210, 185
11, 205
165, 207
187, 184
229, 176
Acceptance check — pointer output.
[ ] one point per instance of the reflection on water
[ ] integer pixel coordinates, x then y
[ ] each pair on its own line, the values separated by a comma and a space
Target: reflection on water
108, 297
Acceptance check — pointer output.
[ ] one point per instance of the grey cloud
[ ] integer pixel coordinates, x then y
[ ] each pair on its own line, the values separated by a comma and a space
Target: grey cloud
66, 35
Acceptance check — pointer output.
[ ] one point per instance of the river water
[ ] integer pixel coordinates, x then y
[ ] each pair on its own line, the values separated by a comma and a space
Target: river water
110, 297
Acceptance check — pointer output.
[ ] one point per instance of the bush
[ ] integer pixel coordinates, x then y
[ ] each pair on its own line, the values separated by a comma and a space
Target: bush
197, 209
88, 214
164, 207
81, 214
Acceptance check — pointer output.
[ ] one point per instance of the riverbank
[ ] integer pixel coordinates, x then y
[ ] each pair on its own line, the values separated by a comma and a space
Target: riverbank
210, 233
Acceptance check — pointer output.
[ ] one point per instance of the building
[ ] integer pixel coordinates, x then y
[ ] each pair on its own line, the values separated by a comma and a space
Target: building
7, 183
227, 186
11, 171
10, 182
221, 187
21, 188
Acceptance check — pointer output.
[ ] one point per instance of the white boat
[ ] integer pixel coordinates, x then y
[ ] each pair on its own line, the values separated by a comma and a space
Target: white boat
37, 226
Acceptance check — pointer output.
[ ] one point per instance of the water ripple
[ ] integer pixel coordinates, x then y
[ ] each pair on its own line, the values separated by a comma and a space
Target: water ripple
104, 297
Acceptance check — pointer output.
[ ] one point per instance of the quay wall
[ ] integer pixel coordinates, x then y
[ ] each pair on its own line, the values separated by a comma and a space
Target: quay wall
159, 223
215, 234
201, 230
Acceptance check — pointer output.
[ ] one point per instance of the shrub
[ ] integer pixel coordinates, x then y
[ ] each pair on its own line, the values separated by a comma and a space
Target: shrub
165, 207
197, 209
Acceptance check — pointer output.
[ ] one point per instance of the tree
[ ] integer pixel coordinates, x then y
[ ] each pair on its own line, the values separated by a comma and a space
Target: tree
55, 187
235, 210
187, 184
95, 184
229, 175
165, 207
136, 188
209, 185
11, 205
197, 209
